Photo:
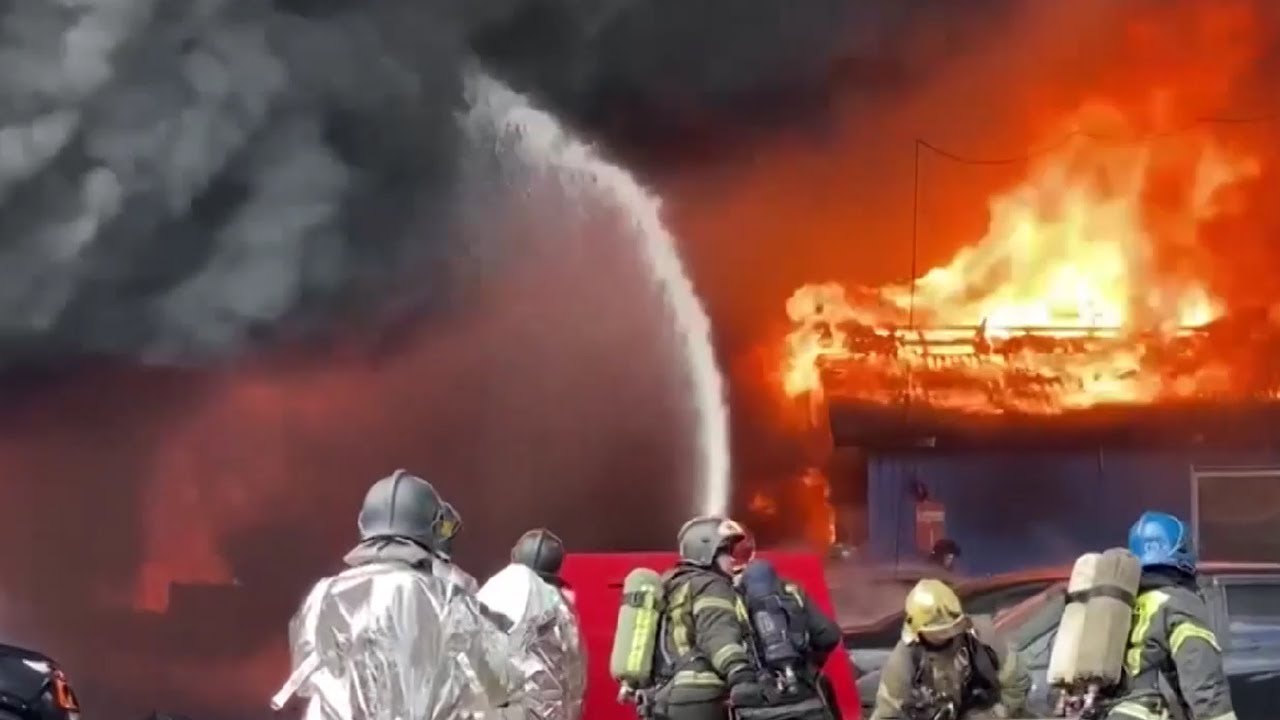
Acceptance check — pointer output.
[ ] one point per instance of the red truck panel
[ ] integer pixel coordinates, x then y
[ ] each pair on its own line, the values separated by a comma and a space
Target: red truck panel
597, 584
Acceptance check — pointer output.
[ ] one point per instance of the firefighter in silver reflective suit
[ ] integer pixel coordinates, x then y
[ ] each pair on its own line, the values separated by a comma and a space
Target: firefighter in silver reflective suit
1173, 664
389, 637
545, 640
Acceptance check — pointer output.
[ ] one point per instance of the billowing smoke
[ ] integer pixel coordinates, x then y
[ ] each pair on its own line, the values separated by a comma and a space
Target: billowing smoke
180, 179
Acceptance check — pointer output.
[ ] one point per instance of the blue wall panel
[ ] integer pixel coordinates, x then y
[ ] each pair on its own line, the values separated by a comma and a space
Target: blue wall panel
1009, 510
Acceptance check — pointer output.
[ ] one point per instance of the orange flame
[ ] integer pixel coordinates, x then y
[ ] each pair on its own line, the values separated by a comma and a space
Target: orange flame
820, 516
1063, 295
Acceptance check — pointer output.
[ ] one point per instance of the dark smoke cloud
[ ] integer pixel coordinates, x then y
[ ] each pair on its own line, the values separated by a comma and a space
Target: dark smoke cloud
685, 83
178, 178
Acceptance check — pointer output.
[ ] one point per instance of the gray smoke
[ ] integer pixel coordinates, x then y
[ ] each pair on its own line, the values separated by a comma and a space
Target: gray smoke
178, 177
181, 178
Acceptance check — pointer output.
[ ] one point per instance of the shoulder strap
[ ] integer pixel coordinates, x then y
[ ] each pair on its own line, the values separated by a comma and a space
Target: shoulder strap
917, 663
982, 687
669, 663
311, 663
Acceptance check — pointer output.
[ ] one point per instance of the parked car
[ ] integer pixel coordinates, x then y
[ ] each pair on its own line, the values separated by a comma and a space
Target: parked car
1244, 601
33, 687
865, 593
869, 644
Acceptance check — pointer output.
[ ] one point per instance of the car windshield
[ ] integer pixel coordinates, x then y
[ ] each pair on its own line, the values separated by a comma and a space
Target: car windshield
979, 599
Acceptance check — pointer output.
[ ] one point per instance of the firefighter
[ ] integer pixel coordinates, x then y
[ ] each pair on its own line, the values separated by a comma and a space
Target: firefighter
390, 636
1171, 644
542, 552
949, 666
543, 627
703, 659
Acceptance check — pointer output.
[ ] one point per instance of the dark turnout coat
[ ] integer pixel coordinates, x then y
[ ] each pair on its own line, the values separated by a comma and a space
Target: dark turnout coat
982, 659
703, 642
1172, 649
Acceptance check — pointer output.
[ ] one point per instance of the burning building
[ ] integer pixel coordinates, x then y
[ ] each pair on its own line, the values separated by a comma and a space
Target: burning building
1069, 368
1063, 304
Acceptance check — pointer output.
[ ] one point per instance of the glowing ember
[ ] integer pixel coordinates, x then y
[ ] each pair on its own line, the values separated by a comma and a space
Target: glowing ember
1063, 303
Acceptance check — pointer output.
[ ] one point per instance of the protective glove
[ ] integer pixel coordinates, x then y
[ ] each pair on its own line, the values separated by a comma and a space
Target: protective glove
741, 673
748, 695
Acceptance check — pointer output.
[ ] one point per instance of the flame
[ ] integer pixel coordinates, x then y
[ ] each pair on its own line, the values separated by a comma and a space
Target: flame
763, 505
803, 505
820, 522
1063, 303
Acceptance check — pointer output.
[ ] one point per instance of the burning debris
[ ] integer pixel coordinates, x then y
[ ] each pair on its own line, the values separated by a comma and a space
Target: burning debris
1066, 302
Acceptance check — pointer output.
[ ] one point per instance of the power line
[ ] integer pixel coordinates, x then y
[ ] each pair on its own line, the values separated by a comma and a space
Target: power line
1085, 134
1030, 155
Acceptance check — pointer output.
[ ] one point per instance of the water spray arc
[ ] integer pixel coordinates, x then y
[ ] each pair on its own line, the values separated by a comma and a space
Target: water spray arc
543, 141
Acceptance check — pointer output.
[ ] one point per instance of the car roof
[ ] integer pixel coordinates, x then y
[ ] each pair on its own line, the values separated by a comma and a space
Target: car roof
1221, 567
1017, 577
966, 588
1063, 572
906, 571
19, 653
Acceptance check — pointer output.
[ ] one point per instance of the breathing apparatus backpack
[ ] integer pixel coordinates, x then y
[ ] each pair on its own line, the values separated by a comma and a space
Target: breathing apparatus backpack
635, 638
779, 631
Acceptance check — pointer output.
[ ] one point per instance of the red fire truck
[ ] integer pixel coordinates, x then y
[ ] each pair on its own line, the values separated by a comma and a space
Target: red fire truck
597, 583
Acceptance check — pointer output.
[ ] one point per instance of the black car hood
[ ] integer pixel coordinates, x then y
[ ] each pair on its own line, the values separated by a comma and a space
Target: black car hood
23, 673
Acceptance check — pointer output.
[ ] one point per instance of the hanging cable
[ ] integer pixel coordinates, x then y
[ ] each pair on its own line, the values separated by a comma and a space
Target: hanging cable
1096, 137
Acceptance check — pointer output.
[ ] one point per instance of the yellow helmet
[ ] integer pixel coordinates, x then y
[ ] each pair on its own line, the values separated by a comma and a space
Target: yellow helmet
932, 607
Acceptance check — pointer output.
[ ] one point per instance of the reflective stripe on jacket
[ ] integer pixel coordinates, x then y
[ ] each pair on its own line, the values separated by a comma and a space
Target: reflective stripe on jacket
703, 640
1171, 638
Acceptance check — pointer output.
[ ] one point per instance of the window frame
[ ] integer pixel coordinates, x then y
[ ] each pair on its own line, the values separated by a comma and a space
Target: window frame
1199, 474
1220, 600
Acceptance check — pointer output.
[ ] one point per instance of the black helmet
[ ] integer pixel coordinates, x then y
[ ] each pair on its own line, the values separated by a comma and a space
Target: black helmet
447, 529
401, 505
541, 551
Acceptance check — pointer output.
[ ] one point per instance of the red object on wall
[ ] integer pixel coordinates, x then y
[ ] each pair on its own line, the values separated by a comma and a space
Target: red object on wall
597, 582
931, 524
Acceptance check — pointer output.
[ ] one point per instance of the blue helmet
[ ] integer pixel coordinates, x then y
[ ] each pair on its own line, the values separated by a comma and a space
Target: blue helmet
1160, 540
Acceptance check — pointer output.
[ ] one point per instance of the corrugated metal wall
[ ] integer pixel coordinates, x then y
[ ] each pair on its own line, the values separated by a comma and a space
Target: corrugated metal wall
1010, 510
